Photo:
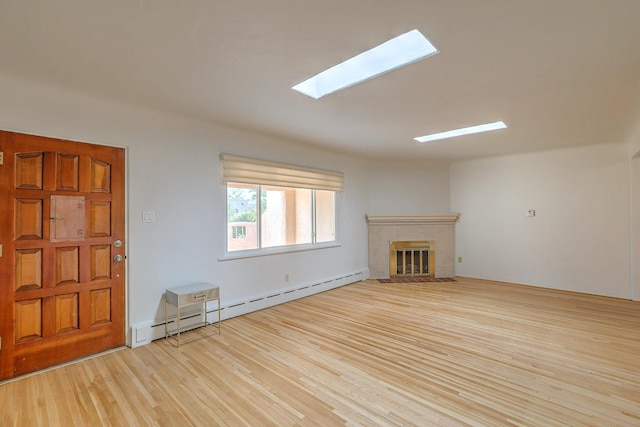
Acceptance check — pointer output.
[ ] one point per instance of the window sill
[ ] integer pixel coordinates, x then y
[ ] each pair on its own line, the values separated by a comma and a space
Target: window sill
276, 251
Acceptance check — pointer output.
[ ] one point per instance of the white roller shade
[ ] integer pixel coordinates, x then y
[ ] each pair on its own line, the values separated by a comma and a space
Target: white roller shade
255, 171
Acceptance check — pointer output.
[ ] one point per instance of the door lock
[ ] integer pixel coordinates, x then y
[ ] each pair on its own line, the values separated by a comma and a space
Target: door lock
117, 258
117, 243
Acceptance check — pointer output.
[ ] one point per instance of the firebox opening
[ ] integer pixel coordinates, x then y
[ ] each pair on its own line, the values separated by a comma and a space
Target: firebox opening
411, 259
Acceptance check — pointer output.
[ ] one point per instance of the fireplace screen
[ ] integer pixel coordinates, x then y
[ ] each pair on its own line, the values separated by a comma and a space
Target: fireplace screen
409, 259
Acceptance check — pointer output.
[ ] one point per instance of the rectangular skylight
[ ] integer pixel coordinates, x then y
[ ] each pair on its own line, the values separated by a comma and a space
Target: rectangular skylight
395, 53
464, 131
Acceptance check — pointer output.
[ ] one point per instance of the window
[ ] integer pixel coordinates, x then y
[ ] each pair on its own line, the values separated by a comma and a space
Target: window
272, 205
239, 232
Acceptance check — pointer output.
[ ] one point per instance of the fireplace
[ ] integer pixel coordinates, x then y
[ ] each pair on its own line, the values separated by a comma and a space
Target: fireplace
411, 259
428, 232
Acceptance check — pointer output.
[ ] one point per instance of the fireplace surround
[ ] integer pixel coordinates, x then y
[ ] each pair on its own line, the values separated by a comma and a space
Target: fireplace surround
438, 230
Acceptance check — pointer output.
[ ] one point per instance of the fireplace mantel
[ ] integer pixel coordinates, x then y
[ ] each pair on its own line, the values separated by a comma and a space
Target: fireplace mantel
446, 219
438, 228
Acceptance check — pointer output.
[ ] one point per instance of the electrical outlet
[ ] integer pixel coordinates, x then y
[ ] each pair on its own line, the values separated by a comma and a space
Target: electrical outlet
286, 277
460, 259
530, 212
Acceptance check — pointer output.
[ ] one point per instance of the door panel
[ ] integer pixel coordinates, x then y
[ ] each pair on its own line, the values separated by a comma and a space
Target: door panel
67, 266
100, 306
28, 269
100, 176
28, 320
100, 219
61, 290
100, 262
29, 170
68, 172
66, 312
28, 219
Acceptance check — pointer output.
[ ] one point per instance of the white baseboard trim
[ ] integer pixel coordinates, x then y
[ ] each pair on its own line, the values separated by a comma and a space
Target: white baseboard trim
144, 333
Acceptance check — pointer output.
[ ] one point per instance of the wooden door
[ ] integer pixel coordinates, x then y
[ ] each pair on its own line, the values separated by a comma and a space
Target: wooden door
61, 260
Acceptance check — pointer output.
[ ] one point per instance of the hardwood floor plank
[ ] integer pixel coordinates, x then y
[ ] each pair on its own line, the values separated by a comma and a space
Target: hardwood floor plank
470, 352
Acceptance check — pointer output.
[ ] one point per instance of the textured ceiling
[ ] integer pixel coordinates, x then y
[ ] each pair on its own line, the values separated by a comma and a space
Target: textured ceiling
559, 72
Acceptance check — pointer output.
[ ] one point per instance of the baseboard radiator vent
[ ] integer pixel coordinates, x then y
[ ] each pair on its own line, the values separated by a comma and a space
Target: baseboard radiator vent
144, 333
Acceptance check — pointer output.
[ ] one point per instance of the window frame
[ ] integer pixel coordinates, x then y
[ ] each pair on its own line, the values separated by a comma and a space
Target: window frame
271, 250
242, 170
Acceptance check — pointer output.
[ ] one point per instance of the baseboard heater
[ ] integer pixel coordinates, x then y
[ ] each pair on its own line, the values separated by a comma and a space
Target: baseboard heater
144, 333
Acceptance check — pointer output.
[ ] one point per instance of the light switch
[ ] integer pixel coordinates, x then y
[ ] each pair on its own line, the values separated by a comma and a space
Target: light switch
148, 216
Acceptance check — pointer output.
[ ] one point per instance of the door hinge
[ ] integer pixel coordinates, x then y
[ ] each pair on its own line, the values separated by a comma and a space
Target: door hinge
1, 158
0, 343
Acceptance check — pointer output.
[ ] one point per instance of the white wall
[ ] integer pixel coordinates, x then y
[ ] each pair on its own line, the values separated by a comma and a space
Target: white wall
174, 170
181, 183
579, 238
408, 188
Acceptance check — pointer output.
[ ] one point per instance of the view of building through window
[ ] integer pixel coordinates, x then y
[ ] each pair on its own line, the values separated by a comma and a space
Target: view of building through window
325, 216
284, 216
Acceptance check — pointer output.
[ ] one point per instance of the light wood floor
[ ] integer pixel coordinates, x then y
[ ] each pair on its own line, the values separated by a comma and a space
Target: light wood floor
465, 353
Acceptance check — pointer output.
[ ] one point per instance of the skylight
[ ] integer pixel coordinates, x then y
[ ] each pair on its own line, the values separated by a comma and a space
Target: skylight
395, 53
464, 131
